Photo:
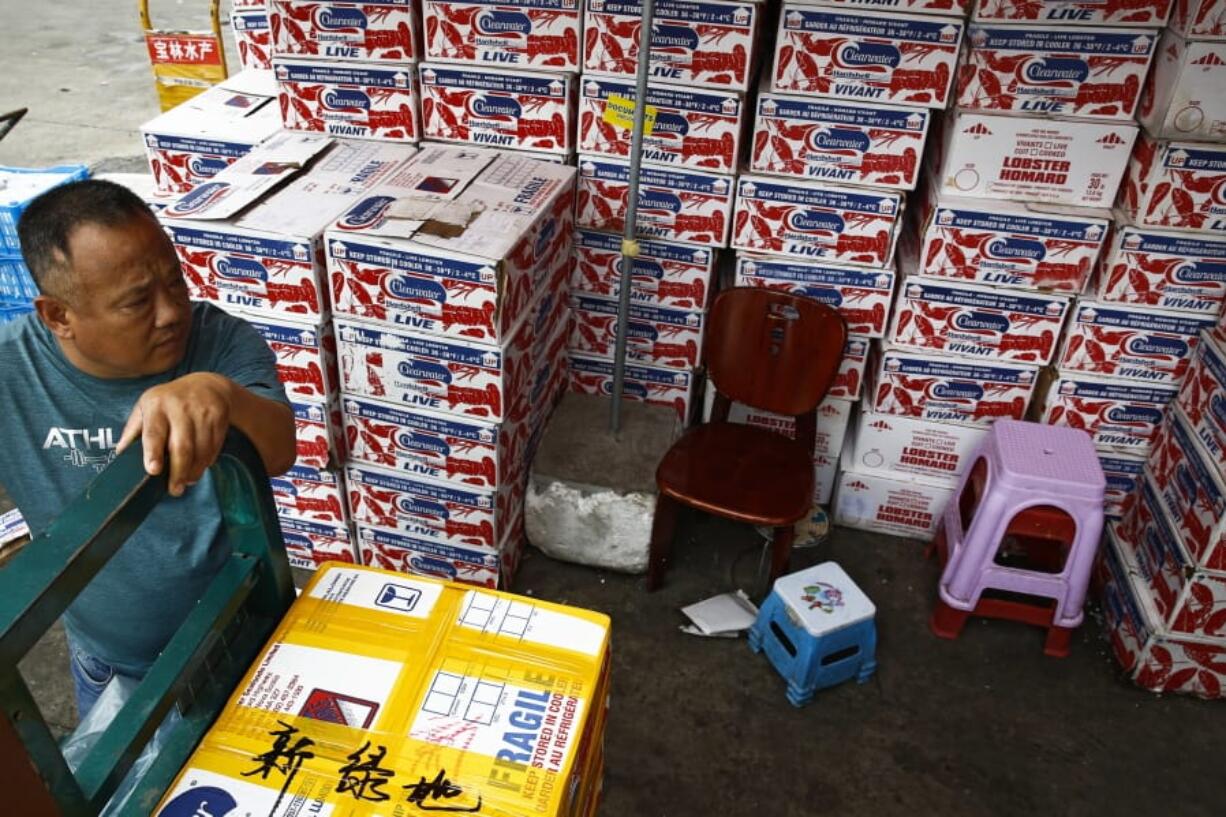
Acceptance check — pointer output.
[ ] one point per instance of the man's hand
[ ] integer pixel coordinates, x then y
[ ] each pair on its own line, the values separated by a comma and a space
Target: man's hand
186, 418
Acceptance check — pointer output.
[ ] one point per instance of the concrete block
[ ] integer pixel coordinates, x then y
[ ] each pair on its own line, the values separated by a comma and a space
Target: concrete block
592, 493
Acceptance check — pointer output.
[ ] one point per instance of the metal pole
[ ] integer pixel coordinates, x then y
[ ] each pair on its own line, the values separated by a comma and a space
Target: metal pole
630, 247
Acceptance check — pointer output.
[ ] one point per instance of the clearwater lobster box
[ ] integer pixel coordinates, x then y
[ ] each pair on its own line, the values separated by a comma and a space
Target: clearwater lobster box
194, 141
1176, 186
439, 447
1012, 244
1132, 13
317, 434
692, 127
309, 544
1131, 342
655, 336
314, 494
1149, 267
691, 206
888, 444
392, 550
900, 59
1056, 161
676, 276
1183, 96
1117, 414
1055, 70
895, 504
252, 38
244, 247
457, 244
509, 33
423, 372
1202, 398
949, 389
1123, 470
862, 296
374, 31
977, 321
673, 388
305, 353
839, 141
1199, 19
351, 99
693, 42
1191, 490
816, 221
947, 8
494, 107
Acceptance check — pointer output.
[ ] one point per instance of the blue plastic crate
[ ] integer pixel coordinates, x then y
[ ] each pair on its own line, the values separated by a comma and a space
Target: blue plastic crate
15, 281
19, 186
10, 310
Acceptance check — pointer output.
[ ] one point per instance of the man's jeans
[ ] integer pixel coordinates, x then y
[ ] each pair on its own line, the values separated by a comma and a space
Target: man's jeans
90, 675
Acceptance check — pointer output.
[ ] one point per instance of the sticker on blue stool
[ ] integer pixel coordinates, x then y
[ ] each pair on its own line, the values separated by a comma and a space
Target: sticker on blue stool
823, 599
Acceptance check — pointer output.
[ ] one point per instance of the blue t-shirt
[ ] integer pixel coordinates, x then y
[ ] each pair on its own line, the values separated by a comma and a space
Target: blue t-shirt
60, 427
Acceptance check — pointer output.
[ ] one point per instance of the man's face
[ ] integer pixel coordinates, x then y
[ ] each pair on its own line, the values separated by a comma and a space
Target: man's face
126, 313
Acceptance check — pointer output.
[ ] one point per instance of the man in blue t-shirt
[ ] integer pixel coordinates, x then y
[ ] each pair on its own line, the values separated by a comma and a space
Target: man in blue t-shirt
116, 352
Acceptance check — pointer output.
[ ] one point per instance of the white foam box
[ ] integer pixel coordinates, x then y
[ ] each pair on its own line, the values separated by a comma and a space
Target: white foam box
977, 321
434, 511
1117, 414
424, 372
252, 38
352, 99
1199, 19
929, 386
457, 244
1139, 13
1153, 658
312, 494
895, 505
1189, 598
674, 388
816, 221
533, 34
1058, 161
244, 243
1183, 96
309, 544
1123, 472
305, 353
888, 445
193, 142
871, 56
700, 128
438, 447
497, 107
702, 43
378, 31
1192, 490
681, 204
392, 550
1185, 272
1202, 397
1057, 70
838, 141
1004, 243
1131, 342
655, 336
675, 276
1176, 185
862, 296
318, 434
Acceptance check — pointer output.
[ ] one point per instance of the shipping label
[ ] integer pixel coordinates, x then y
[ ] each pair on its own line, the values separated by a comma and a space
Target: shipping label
839, 141
352, 100
816, 222
1132, 343
862, 296
691, 127
380, 31
934, 387
1057, 70
675, 276
506, 33
978, 321
495, 108
866, 56
1171, 271
705, 44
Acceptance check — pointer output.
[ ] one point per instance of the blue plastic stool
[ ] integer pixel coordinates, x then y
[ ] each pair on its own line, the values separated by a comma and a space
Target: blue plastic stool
818, 629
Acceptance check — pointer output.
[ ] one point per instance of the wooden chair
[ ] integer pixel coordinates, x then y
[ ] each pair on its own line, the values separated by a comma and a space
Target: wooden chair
772, 351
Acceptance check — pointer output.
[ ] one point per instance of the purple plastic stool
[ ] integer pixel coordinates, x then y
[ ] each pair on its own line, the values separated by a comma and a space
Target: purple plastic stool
1028, 465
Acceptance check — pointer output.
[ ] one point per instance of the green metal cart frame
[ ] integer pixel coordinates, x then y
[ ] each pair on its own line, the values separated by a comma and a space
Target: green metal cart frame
199, 667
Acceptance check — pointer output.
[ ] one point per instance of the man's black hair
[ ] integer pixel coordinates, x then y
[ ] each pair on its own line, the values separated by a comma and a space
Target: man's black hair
49, 221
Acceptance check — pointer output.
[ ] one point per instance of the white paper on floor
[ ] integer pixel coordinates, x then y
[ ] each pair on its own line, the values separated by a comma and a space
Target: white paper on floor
724, 616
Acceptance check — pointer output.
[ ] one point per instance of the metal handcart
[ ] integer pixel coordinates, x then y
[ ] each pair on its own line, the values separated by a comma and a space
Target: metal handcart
196, 672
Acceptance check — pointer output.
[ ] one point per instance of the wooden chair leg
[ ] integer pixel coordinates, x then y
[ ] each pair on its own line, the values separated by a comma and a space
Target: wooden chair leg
663, 526
781, 551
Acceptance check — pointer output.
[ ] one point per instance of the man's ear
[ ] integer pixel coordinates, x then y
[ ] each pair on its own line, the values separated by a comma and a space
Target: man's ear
54, 314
